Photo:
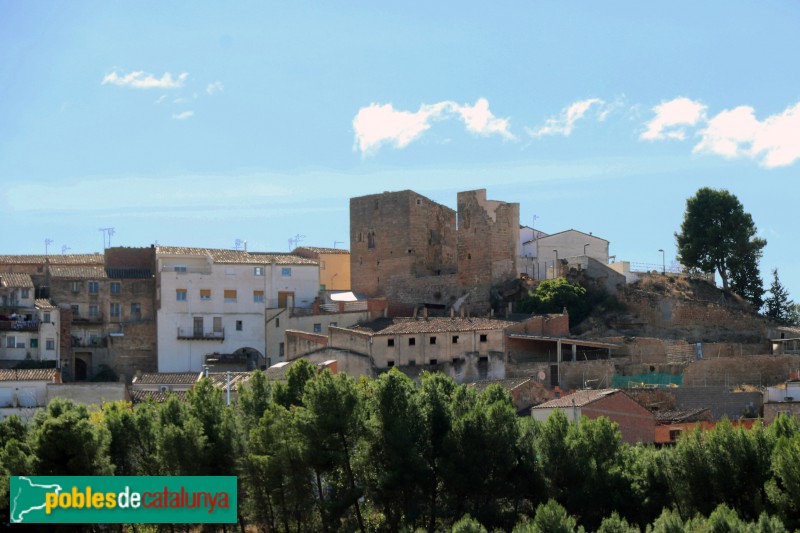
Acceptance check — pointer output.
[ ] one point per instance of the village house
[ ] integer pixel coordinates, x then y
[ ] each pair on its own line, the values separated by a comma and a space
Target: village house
23, 392
212, 303
28, 326
636, 423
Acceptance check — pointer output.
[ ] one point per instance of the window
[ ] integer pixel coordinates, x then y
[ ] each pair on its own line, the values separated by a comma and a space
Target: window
180, 295
34, 343
412, 341
389, 342
113, 310
371, 239
412, 362
116, 287
434, 361
230, 295
180, 268
24, 293
11, 341
321, 286
277, 322
46, 317
484, 337
280, 350
205, 294
94, 312
258, 297
322, 265
50, 344
317, 328
258, 271
286, 272
238, 325
333, 325
136, 311
76, 310
217, 324
76, 286
433, 340
455, 339
94, 287
390, 363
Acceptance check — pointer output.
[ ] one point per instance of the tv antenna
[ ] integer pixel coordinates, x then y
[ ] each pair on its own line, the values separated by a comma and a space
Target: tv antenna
47, 243
64, 249
294, 241
239, 243
337, 242
109, 232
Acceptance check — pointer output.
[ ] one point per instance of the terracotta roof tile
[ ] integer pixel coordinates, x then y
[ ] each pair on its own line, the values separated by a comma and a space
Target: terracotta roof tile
16, 279
141, 396
42, 303
321, 250
55, 259
77, 272
29, 374
167, 378
237, 256
581, 398
399, 326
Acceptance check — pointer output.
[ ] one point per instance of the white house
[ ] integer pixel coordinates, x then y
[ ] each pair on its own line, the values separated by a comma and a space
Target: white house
213, 302
29, 328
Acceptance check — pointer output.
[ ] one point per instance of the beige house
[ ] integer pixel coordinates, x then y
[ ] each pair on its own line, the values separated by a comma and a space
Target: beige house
334, 266
540, 251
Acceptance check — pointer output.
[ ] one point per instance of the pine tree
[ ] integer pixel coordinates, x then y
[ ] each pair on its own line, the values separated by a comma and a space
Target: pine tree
777, 305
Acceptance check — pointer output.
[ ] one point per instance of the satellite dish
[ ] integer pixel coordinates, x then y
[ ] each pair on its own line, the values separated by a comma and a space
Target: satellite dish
541, 375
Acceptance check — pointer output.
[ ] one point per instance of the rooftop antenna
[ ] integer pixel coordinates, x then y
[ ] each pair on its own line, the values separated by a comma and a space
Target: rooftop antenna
239, 243
337, 242
294, 241
533, 224
47, 243
64, 249
109, 232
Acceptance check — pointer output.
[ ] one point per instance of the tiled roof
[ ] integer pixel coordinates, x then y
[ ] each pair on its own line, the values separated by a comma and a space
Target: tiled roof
77, 272
220, 379
55, 259
682, 415
28, 374
43, 303
167, 378
580, 398
237, 256
319, 250
399, 326
15, 279
508, 384
129, 273
141, 396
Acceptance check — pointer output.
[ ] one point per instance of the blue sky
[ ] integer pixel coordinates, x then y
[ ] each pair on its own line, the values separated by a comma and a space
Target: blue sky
199, 123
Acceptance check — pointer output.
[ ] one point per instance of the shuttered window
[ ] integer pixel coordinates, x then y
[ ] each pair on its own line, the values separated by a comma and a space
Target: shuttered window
230, 295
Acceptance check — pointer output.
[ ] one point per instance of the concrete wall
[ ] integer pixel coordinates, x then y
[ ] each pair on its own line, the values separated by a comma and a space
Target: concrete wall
278, 321
88, 393
347, 362
720, 400
570, 244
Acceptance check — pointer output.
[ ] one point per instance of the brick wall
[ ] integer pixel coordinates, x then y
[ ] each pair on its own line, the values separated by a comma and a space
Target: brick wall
124, 257
636, 424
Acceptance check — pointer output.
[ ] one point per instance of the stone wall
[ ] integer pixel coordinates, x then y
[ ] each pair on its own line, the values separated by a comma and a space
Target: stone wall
758, 370
720, 400
88, 393
301, 342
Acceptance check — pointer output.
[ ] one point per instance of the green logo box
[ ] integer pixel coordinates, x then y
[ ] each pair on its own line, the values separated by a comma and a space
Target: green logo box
123, 499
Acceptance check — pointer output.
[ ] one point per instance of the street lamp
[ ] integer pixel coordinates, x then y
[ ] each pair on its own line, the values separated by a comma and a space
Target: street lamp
584, 248
663, 262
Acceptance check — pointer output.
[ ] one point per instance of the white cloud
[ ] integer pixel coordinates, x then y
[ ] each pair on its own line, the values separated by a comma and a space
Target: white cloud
183, 115
565, 122
481, 121
215, 87
376, 125
161, 98
672, 118
773, 142
143, 80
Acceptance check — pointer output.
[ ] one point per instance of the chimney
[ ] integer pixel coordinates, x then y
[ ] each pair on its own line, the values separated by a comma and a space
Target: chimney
452, 312
462, 311
425, 313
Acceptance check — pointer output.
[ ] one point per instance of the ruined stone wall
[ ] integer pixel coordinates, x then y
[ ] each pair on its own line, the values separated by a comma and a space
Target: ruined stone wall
759, 370
299, 343
488, 240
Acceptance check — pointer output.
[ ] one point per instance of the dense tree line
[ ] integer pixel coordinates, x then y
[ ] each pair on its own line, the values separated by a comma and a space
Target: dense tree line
325, 452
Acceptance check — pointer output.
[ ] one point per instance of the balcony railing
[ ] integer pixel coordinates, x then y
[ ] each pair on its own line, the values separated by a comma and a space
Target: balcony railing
92, 342
19, 325
186, 270
192, 335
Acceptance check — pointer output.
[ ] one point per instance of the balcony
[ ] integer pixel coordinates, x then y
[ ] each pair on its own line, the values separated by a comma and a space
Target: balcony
91, 342
19, 325
194, 335
186, 270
